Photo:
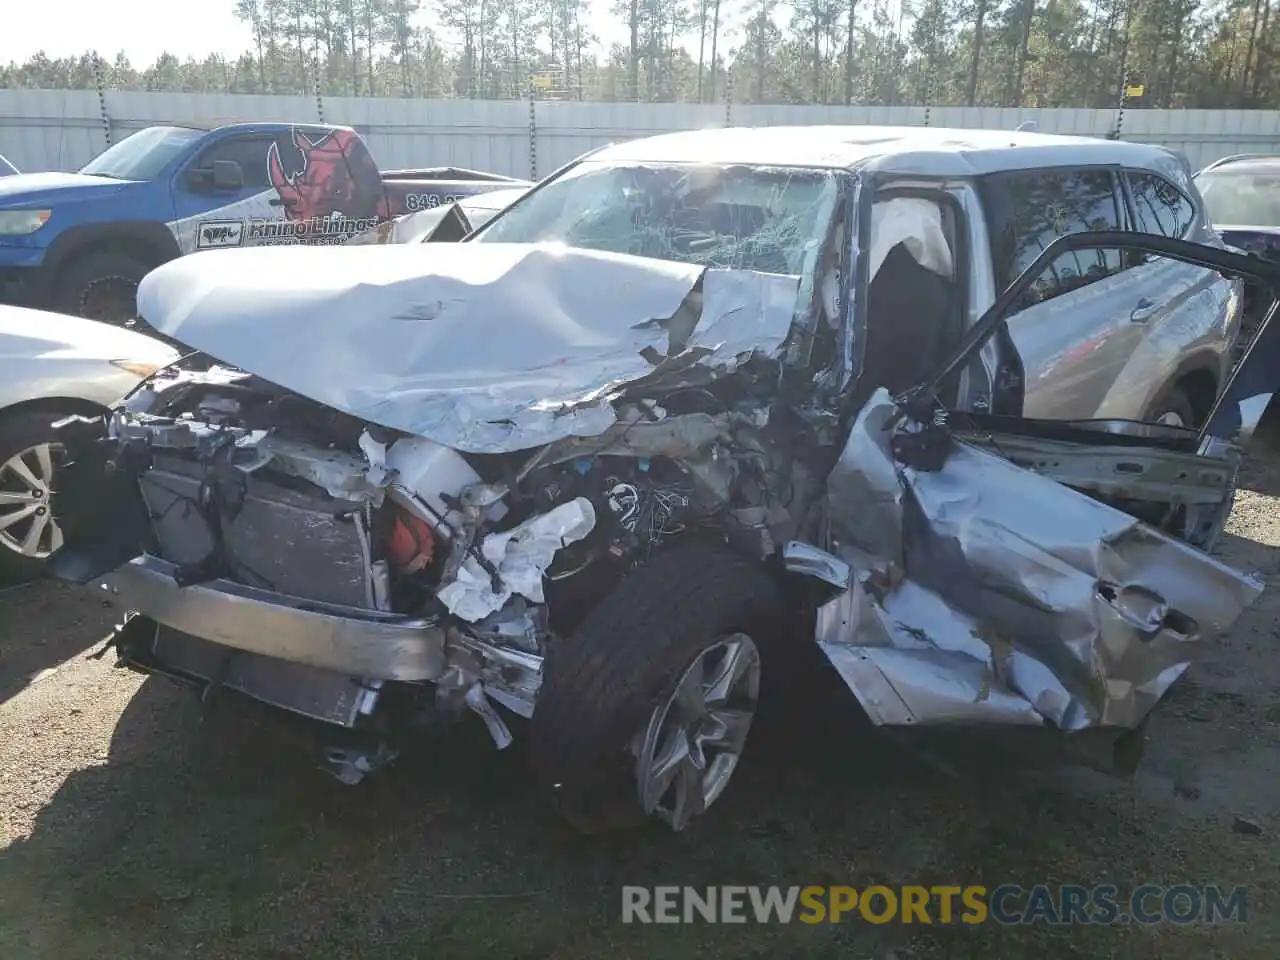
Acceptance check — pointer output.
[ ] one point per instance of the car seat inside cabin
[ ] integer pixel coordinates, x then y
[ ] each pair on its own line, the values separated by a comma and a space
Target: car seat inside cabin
913, 312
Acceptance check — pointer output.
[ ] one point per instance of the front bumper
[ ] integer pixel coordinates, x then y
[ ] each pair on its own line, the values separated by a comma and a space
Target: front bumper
345, 640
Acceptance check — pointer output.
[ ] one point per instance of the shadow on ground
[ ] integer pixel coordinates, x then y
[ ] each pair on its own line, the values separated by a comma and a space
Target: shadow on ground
44, 624
1260, 472
214, 840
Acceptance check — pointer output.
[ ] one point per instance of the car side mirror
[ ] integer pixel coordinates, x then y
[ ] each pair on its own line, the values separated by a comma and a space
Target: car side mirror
227, 175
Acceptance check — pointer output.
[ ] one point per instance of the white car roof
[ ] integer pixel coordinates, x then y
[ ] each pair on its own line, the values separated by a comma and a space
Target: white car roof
923, 151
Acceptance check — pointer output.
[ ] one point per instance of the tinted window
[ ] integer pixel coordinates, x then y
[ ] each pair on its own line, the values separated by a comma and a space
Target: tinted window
248, 151
1032, 209
1159, 207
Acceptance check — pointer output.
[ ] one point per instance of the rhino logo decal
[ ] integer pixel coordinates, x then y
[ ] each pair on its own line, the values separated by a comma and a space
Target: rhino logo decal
335, 175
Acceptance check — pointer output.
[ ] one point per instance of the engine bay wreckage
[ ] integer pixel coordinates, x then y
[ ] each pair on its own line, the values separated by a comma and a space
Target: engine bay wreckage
582, 488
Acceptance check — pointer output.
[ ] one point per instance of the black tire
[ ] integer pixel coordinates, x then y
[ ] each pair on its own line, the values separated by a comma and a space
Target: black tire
601, 684
1173, 400
18, 432
101, 286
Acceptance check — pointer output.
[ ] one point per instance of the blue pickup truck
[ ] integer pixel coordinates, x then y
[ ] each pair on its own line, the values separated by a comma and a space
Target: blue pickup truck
79, 243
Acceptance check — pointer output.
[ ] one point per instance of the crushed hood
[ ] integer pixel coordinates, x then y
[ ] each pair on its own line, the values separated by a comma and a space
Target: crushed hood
487, 348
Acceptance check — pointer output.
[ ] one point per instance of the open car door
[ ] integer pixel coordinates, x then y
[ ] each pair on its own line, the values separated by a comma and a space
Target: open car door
997, 570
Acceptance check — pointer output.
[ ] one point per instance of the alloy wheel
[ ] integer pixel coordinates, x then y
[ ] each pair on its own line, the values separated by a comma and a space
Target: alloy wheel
28, 526
695, 735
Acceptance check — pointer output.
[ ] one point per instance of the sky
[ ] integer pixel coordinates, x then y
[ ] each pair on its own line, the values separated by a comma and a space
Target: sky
143, 29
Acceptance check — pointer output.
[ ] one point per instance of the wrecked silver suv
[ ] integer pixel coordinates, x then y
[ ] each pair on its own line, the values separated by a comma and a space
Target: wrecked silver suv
599, 491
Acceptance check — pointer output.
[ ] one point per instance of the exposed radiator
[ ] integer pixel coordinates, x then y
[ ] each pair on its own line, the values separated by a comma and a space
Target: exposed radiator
303, 544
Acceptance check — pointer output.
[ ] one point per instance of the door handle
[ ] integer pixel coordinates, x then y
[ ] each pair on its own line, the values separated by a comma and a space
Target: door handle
1143, 310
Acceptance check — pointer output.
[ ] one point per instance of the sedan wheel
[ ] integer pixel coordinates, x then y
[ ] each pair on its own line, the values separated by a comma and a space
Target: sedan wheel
694, 738
28, 526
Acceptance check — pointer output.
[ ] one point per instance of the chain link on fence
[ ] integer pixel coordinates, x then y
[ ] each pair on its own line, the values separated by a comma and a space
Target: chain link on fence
1124, 74
728, 97
1124, 96
100, 81
315, 69
930, 78
533, 133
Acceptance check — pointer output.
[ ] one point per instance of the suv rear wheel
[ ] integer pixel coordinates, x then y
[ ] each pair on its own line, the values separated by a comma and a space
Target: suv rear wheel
1173, 408
101, 286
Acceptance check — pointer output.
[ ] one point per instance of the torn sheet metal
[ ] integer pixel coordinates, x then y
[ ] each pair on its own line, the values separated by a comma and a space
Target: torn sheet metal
1024, 601
484, 348
1167, 476
864, 493
409, 228
340, 474
910, 658
808, 560
475, 211
520, 555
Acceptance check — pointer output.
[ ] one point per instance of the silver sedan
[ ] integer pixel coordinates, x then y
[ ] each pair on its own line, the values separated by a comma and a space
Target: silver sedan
53, 366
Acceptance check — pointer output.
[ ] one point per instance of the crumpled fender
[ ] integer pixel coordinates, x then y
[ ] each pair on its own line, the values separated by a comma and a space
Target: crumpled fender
980, 592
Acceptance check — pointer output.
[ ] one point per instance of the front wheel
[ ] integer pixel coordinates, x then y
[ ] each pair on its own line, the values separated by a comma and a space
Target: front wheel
31, 461
645, 709
101, 286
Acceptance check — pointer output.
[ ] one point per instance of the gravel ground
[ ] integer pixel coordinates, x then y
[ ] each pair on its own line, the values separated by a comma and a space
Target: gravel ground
130, 827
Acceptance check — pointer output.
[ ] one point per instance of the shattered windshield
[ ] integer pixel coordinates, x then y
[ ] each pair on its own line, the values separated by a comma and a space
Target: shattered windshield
768, 219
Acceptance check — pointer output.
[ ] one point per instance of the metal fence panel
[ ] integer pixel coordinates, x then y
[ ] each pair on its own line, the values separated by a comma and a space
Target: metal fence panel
63, 129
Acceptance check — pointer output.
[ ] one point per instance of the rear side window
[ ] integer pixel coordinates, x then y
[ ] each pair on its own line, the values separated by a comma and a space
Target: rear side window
249, 151
1029, 210
1159, 207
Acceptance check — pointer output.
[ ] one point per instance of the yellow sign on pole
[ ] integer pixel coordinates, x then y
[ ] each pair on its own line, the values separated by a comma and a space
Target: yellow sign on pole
1135, 90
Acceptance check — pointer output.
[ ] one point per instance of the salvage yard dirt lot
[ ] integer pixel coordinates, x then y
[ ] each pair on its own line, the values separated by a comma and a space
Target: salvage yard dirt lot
129, 828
